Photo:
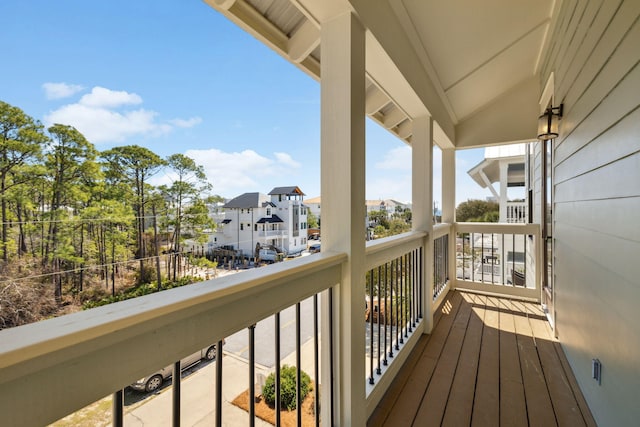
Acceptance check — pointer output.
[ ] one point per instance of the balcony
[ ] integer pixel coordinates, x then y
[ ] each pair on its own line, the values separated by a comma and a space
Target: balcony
383, 61
516, 212
273, 233
489, 361
407, 277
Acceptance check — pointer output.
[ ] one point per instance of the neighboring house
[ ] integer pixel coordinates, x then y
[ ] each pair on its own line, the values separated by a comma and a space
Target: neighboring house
313, 205
505, 165
277, 221
389, 206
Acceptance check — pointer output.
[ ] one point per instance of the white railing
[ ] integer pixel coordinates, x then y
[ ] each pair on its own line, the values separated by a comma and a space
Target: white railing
499, 258
442, 254
273, 233
63, 364
395, 307
516, 212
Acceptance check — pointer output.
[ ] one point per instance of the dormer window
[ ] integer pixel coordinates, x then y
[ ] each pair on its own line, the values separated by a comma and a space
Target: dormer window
268, 211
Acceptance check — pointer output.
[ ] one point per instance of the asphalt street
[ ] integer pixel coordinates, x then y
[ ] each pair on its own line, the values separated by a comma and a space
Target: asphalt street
238, 343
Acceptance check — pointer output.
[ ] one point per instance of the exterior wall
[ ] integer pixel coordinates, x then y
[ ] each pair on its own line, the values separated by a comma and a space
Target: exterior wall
594, 57
243, 238
296, 238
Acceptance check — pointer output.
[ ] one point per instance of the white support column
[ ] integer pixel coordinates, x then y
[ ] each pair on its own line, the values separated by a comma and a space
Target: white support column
448, 185
343, 202
449, 207
422, 204
504, 175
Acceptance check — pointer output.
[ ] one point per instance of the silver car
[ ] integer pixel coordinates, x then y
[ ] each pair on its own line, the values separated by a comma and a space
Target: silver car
154, 381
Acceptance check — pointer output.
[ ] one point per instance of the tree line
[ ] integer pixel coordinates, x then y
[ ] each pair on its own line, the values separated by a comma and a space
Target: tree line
72, 216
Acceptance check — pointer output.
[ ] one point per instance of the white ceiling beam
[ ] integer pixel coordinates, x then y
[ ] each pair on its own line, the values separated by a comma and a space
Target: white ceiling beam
394, 118
389, 34
405, 129
303, 42
376, 100
248, 18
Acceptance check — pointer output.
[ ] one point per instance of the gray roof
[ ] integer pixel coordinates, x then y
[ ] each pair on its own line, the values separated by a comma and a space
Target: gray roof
287, 191
273, 219
247, 200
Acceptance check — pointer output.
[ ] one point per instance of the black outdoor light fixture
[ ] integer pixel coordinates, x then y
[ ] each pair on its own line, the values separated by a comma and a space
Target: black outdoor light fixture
548, 123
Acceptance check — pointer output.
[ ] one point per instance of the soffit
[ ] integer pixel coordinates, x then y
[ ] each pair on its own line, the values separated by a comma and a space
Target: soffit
454, 60
475, 50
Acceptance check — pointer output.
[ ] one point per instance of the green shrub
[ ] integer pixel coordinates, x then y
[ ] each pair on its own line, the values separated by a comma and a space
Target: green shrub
287, 387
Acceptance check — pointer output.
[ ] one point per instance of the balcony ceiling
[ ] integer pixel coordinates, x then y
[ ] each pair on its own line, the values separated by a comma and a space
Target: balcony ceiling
473, 66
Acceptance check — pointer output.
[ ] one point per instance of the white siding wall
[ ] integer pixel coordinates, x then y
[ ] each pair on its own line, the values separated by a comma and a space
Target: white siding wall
594, 54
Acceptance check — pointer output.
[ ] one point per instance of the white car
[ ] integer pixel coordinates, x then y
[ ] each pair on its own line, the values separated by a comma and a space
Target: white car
154, 381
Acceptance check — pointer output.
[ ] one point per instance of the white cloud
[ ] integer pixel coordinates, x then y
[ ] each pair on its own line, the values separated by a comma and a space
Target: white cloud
101, 97
103, 125
60, 90
287, 160
397, 187
186, 123
102, 116
398, 158
234, 173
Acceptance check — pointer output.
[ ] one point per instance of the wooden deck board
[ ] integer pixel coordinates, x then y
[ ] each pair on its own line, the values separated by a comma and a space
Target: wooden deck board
489, 361
486, 405
464, 383
434, 402
513, 408
564, 403
539, 408
413, 389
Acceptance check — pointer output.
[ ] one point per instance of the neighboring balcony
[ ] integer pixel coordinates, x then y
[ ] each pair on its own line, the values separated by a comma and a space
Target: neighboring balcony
273, 233
517, 212
66, 363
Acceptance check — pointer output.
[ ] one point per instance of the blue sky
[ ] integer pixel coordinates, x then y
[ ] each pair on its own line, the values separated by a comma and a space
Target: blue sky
177, 77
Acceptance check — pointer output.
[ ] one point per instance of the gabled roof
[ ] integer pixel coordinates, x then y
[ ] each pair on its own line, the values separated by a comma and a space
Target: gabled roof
270, 220
247, 200
287, 191
265, 204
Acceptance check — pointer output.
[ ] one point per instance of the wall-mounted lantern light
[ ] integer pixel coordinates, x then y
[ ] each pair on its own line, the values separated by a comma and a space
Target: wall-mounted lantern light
548, 123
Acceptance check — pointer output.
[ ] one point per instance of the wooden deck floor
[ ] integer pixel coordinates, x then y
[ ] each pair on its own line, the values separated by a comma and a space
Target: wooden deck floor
489, 362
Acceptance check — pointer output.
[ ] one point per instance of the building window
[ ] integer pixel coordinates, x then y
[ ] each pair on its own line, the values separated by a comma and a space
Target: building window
255, 227
268, 211
249, 226
241, 226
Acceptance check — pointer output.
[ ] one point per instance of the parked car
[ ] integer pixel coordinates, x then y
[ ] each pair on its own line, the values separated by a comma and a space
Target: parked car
315, 248
153, 381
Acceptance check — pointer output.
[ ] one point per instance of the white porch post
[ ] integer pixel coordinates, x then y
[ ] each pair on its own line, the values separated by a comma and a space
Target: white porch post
422, 204
449, 206
504, 174
448, 185
343, 201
